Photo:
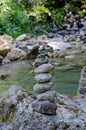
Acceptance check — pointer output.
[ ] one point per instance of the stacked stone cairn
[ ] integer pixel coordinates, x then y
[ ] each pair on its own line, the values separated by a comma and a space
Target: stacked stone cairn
45, 102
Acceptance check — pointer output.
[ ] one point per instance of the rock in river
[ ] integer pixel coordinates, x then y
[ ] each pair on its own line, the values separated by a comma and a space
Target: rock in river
43, 78
43, 87
44, 68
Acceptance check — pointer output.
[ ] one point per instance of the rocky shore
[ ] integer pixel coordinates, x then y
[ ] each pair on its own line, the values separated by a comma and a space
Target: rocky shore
33, 112
46, 109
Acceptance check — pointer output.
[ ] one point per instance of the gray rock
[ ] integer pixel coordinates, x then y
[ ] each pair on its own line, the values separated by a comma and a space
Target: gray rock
41, 59
49, 95
3, 76
27, 119
10, 99
50, 35
44, 107
5, 61
32, 51
43, 78
44, 68
4, 126
43, 87
1, 58
16, 53
82, 82
42, 49
22, 37
70, 115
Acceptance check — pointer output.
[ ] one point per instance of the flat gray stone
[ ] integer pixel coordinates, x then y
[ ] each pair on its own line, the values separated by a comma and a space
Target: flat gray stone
44, 107
44, 68
49, 95
43, 78
43, 87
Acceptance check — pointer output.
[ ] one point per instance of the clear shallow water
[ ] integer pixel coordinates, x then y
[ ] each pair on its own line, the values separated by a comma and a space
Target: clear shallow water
21, 73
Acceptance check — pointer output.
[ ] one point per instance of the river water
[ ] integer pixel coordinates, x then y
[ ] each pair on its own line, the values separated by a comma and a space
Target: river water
20, 73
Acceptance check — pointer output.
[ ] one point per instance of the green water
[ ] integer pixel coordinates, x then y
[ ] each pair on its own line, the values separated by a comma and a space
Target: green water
21, 73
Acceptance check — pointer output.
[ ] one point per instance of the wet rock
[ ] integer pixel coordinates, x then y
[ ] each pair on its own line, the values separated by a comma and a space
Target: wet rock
82, 82
41, 59
43, 78
44, 68
43, 87
44, 107
3, 76
42, 50
16, 53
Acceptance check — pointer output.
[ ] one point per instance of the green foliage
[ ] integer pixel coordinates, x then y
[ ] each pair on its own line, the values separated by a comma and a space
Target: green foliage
13, 20
57, 16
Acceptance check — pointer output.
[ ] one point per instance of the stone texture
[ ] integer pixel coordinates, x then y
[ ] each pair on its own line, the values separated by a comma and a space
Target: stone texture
70, 114
5, 44
16, 53
44, 68
1, 58
47, 96
32, 51
5, 61
5, 126
43, 87
43, 78
41, 59
22, 37
82, 82
9, 101
44, 107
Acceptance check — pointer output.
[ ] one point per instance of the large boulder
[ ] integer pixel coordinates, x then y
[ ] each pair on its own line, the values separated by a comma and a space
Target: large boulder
5, 44
35, 113
70, 115
9, 101
16, 53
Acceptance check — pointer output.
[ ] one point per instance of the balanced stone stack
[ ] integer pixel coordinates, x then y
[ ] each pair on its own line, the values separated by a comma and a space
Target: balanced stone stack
45, 100
82, 82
